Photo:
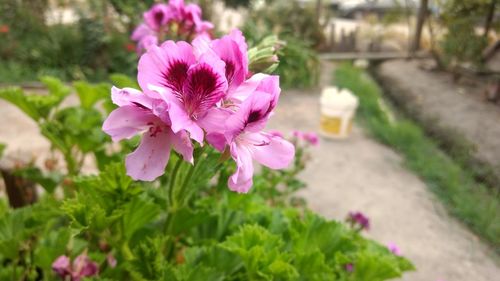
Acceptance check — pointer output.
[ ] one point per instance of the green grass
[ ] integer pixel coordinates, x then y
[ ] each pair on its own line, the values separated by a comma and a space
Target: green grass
473, 203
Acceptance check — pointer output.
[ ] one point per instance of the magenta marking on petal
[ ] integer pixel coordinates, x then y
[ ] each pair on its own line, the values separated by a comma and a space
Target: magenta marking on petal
158, 16
154, 130
175, 76
230, 69
202, 91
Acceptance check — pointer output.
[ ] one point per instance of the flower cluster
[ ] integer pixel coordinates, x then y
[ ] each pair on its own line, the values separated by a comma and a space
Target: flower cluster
81, 267
358, 220
174, 20
201, 92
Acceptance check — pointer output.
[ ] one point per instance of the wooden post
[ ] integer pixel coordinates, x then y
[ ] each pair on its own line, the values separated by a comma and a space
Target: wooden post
489, 18
422, 15
20, 192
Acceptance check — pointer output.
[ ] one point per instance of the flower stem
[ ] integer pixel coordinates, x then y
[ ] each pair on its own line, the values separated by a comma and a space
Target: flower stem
173, 180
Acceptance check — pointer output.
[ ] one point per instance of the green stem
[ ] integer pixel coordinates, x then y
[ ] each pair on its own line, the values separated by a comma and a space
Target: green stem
173, 180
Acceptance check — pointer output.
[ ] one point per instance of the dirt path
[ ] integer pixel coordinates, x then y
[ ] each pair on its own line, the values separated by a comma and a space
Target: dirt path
361, 174
443, 106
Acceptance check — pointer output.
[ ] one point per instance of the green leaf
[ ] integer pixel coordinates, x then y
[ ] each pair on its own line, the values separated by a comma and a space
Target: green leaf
137, 214
149, 261
123, 81
55, 86
17, 97
48, 181
262, 253
52, 245
90, 94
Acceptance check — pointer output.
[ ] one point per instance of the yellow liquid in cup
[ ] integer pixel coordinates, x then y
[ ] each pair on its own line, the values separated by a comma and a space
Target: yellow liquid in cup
333, 125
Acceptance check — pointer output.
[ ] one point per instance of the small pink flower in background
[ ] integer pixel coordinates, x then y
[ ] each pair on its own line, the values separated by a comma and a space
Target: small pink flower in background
111, 260
349, 267
170, 21
81, 267
394, 248
4, 28
309, 137
158, 16
359, 219
298, 134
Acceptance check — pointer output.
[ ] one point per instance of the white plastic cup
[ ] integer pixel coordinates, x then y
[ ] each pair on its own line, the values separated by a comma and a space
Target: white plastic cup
338, 108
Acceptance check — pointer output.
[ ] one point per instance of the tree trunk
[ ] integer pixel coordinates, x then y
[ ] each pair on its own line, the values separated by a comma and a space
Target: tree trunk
319, 7
422, 15
489, 18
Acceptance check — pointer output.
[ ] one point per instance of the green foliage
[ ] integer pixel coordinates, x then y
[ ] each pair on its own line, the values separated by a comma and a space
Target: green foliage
470, 201
462, 44
123, 81
2, 149
298, 61
90, 48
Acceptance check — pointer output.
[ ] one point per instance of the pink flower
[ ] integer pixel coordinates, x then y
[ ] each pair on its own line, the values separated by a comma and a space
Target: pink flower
82, 267
394, 248
311, 138
199, 92
158, 16
349, 267
190, 86
111, 260
138, 113
358, 218
245, 139
145, 43
173, 20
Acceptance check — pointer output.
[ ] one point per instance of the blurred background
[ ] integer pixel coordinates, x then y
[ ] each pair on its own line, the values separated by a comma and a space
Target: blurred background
423, 157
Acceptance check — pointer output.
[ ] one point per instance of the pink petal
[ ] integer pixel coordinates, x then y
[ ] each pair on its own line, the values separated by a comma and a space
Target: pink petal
146, 42
204, 87
62, 266
127, 121
217, 140
157, 16
241, 180
130, 96
141, 31
181, 121
165, 66
235, 56
150, 158
247, 88
278, 153
182, 144
214, 120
